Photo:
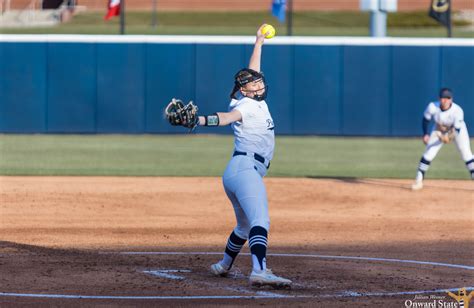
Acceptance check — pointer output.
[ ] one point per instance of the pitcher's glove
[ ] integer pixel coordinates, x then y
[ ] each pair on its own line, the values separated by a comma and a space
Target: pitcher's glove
178, 114
446, 137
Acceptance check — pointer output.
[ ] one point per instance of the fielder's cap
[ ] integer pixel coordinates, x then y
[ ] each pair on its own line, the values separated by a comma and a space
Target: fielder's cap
445, 93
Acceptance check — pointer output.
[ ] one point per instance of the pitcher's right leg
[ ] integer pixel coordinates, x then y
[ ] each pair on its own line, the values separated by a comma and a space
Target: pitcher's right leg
236, 240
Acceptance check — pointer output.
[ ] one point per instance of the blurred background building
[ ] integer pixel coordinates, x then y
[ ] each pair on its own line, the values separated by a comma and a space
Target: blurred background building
242, 5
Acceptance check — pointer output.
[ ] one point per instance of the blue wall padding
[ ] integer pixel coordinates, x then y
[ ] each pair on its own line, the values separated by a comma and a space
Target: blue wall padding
23, 90
317, 90
120, 88
71, 88
351, 90
366, 93
415, 82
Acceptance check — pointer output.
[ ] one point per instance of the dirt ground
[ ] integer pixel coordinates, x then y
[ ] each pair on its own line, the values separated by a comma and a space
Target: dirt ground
99, 241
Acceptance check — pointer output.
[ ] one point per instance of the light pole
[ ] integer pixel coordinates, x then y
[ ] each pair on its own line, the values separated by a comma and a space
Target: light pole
154, 15
289, 25
378, 21
122, 17
378, 15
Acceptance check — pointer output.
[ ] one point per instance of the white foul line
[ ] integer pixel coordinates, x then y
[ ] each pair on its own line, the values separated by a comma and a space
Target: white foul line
263, 296
147, 297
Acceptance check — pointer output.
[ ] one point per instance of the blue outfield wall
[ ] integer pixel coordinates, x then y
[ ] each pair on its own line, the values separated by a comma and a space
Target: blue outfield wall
315, 87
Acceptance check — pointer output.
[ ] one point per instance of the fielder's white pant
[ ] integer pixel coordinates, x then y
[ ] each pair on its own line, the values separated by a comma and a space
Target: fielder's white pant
462, 142
243, 184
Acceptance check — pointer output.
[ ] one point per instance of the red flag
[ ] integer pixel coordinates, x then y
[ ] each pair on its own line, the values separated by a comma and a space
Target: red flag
114, 9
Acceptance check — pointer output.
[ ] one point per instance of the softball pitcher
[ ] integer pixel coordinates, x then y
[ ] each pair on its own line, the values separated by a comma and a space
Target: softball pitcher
449, 125
253, 129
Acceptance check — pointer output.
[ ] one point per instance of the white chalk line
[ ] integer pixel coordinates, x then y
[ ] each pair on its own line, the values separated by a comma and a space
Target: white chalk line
247, 291
63, 296
264, 295
260, 294
173, 271
165, 273
439, 264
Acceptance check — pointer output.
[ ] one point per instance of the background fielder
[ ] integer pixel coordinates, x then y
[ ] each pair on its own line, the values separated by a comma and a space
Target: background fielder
449, 125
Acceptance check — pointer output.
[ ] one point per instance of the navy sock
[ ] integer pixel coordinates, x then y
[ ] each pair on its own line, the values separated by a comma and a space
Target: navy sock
470, 167
258, 247
423, 166
234, 245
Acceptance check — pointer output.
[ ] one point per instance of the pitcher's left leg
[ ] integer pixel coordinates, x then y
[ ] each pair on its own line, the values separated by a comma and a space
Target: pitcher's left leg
252, 197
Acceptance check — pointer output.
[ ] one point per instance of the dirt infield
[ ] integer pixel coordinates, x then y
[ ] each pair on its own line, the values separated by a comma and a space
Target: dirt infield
95, 241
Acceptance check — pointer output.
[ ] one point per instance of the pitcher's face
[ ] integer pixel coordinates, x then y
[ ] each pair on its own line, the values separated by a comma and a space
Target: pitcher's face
253, 88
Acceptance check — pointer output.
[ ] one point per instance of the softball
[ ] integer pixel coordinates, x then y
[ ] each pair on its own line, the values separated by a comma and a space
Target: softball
270, 30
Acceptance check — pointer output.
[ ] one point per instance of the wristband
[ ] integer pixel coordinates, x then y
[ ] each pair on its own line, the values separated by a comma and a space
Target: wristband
211, 120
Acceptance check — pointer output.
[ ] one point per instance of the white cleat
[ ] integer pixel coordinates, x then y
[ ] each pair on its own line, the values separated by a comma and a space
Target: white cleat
218, 270
417, 185
267, 278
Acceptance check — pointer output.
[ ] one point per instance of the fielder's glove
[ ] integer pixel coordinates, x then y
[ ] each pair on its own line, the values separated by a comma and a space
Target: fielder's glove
446, 137
180, 115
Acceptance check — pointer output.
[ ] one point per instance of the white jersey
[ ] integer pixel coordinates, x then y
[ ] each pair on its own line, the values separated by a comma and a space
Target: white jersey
255, 132
453, 117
